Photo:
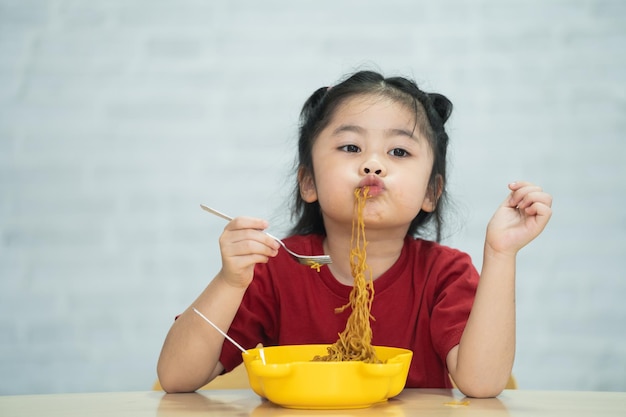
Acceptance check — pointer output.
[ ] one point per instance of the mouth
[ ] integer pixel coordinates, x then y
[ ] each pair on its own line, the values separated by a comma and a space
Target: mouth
374, 184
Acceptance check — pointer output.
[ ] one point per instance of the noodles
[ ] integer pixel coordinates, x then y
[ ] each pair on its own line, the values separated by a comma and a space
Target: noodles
315, 265
355, 342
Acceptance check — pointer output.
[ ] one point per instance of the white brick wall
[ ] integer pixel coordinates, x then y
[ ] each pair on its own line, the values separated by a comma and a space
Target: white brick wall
117, 118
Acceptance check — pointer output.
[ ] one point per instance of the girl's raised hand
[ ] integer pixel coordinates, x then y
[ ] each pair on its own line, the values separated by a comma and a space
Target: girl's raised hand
520, 218
243, 245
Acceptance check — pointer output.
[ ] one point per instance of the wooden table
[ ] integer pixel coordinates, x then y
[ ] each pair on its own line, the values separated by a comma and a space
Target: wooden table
224, 403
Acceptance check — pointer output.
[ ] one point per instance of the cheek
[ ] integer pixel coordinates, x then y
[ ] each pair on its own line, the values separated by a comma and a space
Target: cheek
327, 192
412, 194
327, 173
333, 191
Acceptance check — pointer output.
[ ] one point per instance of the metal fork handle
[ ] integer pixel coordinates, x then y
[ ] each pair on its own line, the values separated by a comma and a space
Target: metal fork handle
281, 244
226, 217
314, 260
217, 213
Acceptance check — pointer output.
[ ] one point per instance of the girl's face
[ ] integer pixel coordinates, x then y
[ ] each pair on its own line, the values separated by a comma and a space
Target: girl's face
370, 141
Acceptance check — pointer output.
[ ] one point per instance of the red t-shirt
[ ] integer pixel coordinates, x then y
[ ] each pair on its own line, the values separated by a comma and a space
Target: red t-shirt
421, 303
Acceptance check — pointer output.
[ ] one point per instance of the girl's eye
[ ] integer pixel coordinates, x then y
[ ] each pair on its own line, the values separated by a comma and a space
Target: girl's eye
399, 152
350, 148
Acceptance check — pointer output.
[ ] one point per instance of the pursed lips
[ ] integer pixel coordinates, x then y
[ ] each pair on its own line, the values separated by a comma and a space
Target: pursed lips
375, 184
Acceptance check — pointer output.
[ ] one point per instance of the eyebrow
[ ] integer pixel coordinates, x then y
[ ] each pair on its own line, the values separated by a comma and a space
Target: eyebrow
361, 130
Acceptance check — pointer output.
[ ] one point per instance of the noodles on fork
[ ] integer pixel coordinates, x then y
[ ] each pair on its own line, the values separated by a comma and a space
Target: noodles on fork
355, 342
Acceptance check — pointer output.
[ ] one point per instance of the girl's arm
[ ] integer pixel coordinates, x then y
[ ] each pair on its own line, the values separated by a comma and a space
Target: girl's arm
190, 354
481, 364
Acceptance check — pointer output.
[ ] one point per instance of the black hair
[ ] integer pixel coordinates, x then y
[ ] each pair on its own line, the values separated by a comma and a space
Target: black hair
431, 112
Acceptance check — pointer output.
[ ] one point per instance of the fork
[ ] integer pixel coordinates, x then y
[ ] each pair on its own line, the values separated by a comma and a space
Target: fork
314, 261
230, 339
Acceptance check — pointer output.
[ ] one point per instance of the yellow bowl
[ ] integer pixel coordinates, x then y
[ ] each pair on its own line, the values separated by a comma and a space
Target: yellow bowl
291, 379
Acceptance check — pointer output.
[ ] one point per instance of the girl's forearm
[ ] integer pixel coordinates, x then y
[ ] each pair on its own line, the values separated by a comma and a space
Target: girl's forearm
190, 354
487, 348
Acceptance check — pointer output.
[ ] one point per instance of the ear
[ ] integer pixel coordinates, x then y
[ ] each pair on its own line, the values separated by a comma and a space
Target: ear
308, 192
433, 195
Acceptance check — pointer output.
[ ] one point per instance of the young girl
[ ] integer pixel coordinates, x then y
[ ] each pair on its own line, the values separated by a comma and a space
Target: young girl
388, 135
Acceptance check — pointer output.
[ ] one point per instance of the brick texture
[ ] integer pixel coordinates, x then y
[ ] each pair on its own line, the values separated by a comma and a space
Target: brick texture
117, 118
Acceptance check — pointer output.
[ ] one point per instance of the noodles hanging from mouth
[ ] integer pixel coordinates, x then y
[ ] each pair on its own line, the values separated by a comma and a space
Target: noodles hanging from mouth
355, 342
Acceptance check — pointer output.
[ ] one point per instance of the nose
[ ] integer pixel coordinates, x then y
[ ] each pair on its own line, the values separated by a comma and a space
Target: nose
372, 166
377, 172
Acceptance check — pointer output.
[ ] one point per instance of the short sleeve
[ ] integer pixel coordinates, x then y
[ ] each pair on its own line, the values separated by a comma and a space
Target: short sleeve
454, 296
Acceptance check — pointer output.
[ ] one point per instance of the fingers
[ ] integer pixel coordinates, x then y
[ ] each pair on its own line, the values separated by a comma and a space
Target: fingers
244, 236
531, 200
243, 245
538, 209
522, 217
529, 197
